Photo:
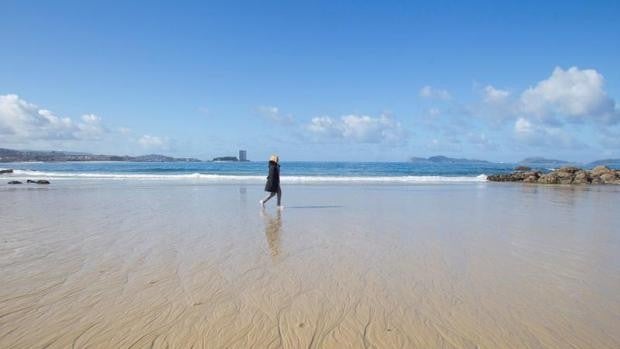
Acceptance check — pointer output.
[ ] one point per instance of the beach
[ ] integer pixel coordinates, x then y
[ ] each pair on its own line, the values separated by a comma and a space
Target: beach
100, 263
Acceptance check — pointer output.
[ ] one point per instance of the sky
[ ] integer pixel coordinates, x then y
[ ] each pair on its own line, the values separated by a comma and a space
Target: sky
315, 80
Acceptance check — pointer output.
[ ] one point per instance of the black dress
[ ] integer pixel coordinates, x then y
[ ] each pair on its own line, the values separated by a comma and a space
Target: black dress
273, 179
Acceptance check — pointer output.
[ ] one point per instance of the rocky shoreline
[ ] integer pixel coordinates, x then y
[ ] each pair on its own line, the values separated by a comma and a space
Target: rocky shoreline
564, 175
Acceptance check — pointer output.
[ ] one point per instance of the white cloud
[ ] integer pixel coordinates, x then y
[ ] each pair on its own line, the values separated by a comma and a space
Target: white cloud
572, 94
537, 134
153, 142
24, 122
274, 114
554, 110
565, 96
498, 106
24, 125
324, 125
494, 95
90, 127
358, 128
523, 126
124, 131
434, 93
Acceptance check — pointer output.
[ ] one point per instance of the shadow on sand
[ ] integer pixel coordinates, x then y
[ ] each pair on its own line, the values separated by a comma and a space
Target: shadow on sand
314, 206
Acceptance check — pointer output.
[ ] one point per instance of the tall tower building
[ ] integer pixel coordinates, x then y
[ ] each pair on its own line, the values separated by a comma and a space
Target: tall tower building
243, 155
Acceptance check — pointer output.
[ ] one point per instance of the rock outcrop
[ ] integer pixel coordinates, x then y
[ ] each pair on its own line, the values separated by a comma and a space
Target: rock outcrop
15, 182
600, 170
564, 175
6, 171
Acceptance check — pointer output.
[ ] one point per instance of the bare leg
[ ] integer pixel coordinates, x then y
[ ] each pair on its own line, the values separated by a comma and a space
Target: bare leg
268, 197
279, 192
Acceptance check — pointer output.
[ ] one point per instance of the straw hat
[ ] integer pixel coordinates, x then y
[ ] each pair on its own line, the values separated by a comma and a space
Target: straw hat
274, 158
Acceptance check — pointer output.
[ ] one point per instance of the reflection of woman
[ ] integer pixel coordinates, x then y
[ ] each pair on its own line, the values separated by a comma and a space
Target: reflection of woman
272, 232
273, 181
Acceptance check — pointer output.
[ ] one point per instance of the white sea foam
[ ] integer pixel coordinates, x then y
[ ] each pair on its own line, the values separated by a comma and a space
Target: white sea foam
204, 177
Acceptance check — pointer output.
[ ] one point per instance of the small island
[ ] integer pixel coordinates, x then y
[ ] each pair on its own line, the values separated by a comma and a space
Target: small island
243, 157
226, 158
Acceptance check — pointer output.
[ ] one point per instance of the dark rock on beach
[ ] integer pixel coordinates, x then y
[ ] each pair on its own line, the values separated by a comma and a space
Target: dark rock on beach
15, 182
40, 181
564, 175
6, 171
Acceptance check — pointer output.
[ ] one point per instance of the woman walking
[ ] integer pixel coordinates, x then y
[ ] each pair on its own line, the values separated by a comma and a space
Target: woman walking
273, 181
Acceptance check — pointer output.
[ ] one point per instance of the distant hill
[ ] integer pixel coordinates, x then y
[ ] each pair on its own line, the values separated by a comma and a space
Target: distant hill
10, 155
540, 162
611, 163
161, 158
440, 159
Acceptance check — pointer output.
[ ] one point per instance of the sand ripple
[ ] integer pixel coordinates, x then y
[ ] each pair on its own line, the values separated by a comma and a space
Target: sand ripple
181, 266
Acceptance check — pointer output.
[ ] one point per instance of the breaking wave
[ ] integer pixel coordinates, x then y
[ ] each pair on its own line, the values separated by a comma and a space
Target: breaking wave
206, 177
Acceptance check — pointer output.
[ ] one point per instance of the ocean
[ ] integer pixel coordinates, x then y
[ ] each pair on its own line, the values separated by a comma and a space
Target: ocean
291, 172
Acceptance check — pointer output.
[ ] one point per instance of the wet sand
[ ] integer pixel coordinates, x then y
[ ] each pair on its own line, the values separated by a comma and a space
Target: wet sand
114, 264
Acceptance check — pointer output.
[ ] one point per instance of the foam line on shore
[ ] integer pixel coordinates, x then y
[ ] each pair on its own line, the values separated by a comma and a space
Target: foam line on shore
249, 178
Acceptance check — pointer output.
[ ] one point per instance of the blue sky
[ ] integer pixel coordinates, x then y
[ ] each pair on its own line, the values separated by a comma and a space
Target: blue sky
333, 80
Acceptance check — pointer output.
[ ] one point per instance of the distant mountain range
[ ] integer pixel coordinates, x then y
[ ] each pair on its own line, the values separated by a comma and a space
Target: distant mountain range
533, 162
611, 163
540, 162
10, 155
440, 159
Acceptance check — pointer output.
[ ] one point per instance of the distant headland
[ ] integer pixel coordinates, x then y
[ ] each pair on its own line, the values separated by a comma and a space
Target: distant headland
440, 159
10, 155
531, 162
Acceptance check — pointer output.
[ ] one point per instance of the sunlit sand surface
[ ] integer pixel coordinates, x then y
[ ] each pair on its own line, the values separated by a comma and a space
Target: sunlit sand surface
188, 265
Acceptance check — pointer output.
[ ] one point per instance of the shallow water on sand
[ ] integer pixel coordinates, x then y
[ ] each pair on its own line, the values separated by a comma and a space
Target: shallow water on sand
134, 264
